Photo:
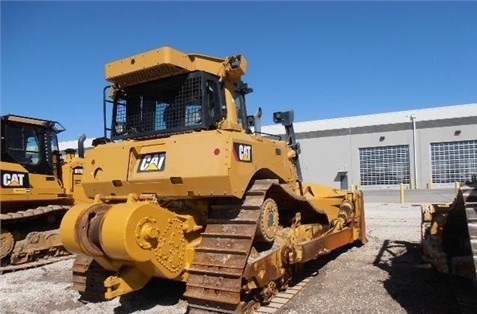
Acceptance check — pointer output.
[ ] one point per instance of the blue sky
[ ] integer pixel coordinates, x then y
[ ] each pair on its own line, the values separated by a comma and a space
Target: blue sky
322, 59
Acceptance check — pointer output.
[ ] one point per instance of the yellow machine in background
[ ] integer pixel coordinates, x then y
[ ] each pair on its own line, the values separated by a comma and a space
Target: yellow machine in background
449, 233
37, 188
183, 189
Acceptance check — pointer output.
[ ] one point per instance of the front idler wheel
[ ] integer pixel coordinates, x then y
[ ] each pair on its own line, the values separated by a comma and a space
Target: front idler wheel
7, 242
268, 221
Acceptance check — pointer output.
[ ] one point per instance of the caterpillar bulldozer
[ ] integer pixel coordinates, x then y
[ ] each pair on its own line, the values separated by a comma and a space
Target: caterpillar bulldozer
183, 189
449, 233
37, 188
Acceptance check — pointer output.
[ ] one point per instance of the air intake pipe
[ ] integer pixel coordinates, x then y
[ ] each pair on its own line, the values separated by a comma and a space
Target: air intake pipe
81, 140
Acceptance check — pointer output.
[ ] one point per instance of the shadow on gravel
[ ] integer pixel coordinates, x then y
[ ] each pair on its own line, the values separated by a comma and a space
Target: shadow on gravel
156, 292
417, 287
313, 267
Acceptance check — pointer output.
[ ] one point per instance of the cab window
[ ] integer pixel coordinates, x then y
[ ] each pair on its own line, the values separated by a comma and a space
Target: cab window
240, 107
23, 145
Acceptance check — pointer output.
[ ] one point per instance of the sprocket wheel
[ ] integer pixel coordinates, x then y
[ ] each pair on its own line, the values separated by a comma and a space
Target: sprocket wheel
7, 242
268, 221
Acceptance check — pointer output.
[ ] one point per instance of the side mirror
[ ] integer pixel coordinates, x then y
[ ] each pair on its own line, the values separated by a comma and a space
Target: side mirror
284, 117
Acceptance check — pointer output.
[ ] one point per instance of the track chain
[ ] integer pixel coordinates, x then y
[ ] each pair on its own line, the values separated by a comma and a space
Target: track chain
32, 213
465, 290
27, 250
38, 263
283, 297
469, 194
215, 275
88, 279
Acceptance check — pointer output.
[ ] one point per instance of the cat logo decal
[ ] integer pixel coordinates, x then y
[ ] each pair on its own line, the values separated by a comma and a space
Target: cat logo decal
243, 152
152, 162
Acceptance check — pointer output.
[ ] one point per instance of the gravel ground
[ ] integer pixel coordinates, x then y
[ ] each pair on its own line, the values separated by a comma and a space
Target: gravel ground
385, 275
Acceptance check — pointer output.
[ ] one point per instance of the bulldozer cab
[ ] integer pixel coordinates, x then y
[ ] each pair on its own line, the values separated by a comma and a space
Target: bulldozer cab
193, 100
32, 143
198, 94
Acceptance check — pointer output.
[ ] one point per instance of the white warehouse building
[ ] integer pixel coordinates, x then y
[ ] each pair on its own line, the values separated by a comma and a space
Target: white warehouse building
422, 148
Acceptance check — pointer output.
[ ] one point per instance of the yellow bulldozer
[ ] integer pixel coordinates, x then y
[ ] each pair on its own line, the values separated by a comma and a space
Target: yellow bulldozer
186, 187
38, 186
449, 233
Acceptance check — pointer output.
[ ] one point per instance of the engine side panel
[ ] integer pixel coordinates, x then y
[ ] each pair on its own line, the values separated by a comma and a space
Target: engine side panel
200, 164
